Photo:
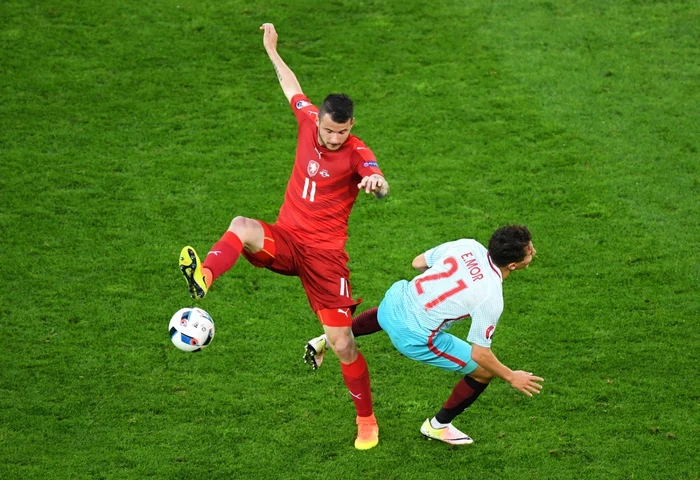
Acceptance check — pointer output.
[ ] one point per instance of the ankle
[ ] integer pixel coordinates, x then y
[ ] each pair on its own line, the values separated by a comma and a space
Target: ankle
368, 419
437, 424
206, 273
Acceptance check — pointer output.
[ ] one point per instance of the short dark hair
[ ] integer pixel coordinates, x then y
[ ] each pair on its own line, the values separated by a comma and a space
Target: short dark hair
339, 106
507, 244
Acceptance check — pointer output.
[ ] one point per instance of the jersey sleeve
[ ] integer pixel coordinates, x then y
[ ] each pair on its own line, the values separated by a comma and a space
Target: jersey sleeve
365, 161
484, 320
303, 109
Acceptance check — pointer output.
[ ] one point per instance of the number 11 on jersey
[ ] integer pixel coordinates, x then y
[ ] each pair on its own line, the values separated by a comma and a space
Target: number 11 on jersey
306, 189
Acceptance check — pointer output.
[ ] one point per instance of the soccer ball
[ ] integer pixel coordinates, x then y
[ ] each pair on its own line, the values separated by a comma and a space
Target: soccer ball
191, 329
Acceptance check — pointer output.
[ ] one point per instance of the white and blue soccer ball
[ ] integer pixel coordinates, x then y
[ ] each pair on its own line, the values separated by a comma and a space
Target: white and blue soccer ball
191, 329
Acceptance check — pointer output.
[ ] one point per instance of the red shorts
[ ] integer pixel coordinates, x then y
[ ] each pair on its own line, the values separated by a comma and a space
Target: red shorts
324, 274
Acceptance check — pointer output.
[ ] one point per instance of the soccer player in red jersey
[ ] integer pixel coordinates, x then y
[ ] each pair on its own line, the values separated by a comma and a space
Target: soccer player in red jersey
308, 238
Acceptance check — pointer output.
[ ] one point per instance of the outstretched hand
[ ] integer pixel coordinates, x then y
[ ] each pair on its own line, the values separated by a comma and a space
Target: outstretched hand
269, 36
526, 382
376, 184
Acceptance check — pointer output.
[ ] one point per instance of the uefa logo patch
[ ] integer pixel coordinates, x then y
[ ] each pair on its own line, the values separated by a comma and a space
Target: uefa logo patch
489, 332
302, 103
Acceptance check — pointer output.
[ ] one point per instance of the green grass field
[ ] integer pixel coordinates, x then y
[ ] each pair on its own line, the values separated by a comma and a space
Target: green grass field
129, 129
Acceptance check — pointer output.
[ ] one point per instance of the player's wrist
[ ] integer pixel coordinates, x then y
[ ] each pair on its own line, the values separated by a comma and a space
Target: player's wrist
509, 375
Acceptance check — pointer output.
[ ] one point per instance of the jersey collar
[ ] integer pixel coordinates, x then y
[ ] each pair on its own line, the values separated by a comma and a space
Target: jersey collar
494, 267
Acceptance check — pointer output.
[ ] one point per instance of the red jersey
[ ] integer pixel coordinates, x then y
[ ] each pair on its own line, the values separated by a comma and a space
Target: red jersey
323, 185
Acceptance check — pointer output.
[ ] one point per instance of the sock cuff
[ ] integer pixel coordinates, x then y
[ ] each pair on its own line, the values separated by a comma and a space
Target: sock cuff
475, 385
232, 240
435, 423
355, 369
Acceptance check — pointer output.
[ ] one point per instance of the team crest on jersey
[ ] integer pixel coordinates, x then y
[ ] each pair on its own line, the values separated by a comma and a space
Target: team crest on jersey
302, 103
489, 332
312, 168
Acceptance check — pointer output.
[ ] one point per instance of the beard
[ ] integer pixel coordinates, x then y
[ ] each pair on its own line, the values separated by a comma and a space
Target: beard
328, 146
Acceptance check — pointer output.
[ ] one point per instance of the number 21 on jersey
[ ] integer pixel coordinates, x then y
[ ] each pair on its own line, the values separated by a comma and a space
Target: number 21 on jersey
451, 270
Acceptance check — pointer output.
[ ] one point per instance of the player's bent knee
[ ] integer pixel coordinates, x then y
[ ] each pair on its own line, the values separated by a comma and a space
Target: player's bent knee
248, 230
239, 224
347, 356
343, 345
481, 375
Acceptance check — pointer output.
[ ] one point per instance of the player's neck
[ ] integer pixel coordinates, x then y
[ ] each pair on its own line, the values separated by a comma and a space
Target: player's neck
505, 272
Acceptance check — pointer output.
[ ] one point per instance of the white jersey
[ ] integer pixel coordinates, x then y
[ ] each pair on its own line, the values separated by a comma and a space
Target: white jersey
460, 283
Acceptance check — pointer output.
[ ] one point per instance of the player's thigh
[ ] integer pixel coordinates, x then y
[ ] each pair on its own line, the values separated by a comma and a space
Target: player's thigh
325, 277
278, 252
450, 353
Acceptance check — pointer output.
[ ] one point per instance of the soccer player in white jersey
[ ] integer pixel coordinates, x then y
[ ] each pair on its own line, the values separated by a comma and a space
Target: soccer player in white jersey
460, 280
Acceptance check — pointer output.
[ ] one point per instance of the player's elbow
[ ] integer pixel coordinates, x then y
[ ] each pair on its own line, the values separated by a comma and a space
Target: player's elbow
419, 263
480, 354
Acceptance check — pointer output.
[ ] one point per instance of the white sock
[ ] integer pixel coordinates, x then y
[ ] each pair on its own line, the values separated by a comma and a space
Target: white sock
435, 424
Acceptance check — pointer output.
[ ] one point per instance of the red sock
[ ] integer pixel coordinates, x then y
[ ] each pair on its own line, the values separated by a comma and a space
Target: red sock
356, 376
463, 395
223, 255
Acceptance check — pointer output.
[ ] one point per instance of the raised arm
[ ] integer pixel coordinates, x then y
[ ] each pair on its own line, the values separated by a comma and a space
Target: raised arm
288, 81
